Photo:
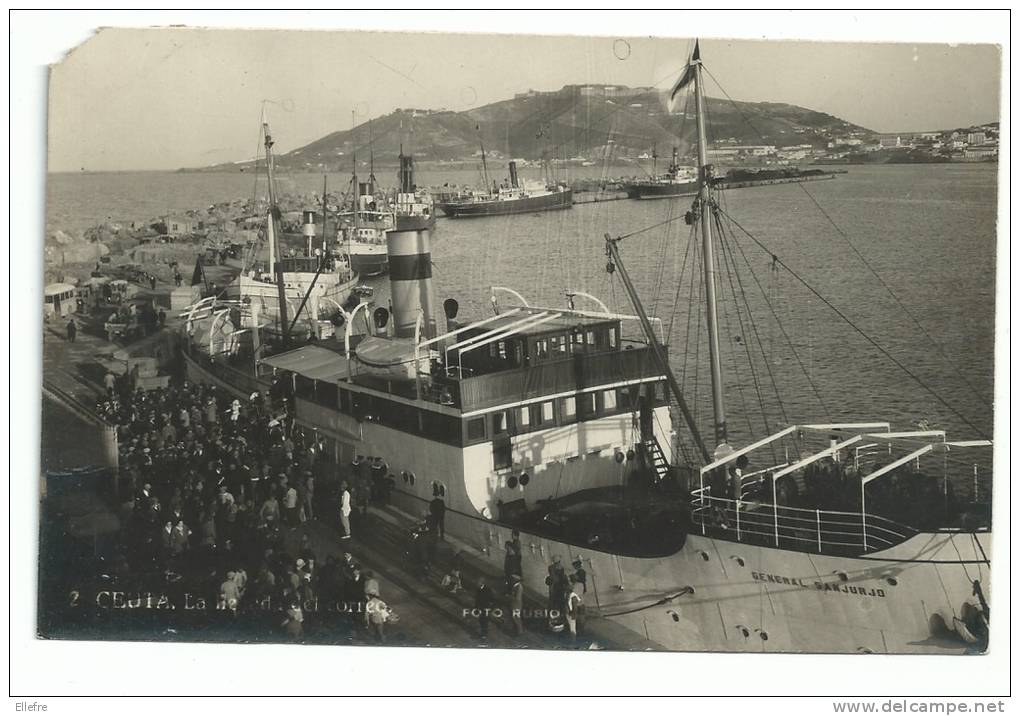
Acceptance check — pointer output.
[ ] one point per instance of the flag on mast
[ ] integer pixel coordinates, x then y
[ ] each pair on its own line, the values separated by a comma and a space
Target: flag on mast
687, 77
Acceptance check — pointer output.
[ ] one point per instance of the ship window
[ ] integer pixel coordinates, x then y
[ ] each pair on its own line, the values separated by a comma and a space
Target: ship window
476, 429
568, 408
540, 413
547, 412
499, 422
626, 397
502, 452
590, 338
612, 338
609, 399
587, 403
523, 417
542, 348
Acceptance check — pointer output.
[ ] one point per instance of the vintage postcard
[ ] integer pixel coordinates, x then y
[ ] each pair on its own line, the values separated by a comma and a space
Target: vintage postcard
519, 341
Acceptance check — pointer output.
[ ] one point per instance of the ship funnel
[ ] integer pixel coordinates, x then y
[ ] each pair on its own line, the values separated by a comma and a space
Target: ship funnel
406, 176
409, 251
676, 156
308, 229
513, 174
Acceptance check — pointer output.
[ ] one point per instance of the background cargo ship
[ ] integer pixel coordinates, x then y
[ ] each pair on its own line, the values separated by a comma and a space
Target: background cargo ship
510, 198
678, 181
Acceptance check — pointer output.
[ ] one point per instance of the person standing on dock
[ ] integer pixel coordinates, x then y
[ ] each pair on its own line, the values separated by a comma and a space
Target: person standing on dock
72, 331
437, 508
345, 510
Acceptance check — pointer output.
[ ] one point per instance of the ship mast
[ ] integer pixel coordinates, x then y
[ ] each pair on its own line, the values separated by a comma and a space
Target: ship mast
485, 168
275, 265
704, 208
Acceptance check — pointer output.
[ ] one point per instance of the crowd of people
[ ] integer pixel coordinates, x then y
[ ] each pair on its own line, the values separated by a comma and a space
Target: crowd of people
212, 489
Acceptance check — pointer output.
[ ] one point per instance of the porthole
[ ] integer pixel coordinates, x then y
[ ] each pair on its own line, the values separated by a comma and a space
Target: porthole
891, 581
630, 455
738, 560
704, 555
764, 635
619, 457
511, 482
405, 477
410, 478
843, 576
744, 630
864, 650
525, 479
676, 617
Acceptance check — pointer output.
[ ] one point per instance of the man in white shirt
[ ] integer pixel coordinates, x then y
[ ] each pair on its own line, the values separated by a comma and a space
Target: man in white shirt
345, 510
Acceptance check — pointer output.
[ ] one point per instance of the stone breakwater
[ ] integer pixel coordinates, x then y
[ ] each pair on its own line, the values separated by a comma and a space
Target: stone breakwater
158, 242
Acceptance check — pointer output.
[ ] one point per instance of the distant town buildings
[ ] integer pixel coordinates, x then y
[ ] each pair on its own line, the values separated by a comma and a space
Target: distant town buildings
180, 226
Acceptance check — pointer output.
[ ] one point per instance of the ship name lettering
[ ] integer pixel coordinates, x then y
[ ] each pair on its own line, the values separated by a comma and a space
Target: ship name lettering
831, 587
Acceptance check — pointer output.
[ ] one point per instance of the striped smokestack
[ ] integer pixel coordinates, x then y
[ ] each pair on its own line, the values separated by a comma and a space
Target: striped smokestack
308, 224
408, 248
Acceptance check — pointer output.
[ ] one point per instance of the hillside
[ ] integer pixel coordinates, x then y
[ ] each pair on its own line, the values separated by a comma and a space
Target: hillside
575, 121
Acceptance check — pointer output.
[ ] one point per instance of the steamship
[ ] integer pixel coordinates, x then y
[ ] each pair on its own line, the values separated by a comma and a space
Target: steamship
362, 231
286, 292
558, 422
509, 198
678, 181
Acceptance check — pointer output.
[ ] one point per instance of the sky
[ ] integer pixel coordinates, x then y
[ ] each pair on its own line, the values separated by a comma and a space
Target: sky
146, 99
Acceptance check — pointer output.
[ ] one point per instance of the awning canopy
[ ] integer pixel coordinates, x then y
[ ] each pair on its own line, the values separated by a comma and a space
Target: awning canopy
312, 362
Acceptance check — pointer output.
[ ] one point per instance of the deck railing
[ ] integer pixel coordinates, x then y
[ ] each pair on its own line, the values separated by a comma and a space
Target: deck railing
821, 531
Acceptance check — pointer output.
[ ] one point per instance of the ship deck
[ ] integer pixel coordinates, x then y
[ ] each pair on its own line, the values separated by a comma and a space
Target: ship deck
628, 521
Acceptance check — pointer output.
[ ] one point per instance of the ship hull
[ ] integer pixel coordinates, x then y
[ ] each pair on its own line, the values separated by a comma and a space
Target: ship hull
531, 204
710, 594
367, 264
785, 601
661, 191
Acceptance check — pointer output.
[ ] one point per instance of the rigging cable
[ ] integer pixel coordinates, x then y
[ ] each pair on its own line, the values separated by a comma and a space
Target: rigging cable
747, 347
843, 235
733, 340
779, 323
917, 379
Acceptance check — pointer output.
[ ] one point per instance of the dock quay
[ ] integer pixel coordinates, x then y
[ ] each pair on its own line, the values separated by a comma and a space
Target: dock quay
596, 197
746, 183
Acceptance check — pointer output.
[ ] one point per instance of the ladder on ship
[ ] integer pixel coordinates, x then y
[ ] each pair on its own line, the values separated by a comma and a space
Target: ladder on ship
656, 458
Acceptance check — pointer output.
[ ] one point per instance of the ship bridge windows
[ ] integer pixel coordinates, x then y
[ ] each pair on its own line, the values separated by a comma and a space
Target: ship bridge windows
523, 416
500, 424
608, 400
541, 348
568, 409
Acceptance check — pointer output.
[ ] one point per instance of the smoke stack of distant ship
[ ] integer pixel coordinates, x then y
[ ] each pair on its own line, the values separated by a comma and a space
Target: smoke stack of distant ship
308, 230
513, 174
408, 248
406, 173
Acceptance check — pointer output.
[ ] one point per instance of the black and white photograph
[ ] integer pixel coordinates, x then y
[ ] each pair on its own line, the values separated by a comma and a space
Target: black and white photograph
539, 342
